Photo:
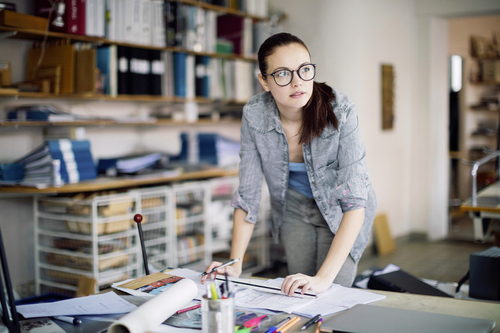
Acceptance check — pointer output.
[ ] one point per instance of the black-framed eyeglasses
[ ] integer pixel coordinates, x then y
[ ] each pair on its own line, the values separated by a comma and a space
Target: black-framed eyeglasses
283, 77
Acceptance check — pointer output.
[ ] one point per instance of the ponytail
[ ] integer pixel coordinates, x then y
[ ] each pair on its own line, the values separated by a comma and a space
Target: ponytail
317, 114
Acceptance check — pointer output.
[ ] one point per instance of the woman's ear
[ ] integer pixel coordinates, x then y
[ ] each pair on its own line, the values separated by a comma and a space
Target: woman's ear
263, 82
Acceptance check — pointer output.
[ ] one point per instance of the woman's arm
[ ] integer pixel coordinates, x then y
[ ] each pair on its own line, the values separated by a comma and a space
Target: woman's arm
339, 250
242, 232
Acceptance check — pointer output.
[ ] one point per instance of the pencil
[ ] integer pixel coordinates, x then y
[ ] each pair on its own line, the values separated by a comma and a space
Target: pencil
189, 308
318, 325
288, 325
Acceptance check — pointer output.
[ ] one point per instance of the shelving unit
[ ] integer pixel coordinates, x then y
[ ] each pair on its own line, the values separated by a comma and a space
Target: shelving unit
64, 249
88, 236
190, 224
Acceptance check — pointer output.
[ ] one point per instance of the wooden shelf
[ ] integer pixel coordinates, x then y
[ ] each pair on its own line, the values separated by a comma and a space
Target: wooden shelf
110, 122
118, 98
221, 9
102, 184
483, 108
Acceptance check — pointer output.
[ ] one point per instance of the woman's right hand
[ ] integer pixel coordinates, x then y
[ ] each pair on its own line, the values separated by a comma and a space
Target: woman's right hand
233, 270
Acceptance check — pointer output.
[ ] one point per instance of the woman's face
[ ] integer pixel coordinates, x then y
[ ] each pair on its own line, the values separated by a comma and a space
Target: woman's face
294, 96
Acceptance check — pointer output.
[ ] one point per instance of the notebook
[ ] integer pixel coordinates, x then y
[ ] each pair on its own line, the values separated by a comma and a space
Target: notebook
378, 319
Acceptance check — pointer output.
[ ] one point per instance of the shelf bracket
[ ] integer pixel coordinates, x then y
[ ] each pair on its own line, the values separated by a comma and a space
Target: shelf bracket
5, 35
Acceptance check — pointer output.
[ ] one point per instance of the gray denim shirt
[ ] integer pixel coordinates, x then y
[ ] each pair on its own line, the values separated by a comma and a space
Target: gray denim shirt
335, 164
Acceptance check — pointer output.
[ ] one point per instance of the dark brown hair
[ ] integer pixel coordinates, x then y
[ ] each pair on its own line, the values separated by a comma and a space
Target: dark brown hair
317, 113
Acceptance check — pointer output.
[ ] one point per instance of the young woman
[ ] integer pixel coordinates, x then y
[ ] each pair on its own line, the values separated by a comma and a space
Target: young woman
303, 137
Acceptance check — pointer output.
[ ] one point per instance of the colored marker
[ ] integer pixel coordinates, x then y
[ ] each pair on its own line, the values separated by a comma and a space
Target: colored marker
254, 321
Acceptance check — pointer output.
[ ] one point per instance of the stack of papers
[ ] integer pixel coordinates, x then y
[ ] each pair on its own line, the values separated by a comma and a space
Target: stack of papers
335, 299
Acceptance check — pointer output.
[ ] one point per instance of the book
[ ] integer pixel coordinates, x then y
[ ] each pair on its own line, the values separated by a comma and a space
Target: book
123, 72
107, 64
65, 19
158, 31
157, 72
202, 77
167, 83
180, 74
139, 72
170, 18
111, 19
231, 28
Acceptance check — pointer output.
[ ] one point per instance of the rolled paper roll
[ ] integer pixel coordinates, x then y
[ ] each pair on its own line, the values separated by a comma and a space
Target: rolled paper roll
151, 314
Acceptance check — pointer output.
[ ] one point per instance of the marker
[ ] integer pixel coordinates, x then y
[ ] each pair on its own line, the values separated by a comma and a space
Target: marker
314, 320
214, 291
274, 328
71, 320
189, 308
230, 262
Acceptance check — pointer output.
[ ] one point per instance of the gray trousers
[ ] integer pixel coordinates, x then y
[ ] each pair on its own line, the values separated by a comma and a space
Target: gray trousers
307, 238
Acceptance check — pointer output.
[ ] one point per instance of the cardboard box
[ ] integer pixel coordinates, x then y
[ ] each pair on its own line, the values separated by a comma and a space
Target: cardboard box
14, 19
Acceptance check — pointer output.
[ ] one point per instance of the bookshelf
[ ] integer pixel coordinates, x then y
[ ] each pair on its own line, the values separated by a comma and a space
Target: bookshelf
31, 132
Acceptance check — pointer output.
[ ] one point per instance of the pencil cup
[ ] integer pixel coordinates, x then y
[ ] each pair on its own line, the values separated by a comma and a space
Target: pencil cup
217, 315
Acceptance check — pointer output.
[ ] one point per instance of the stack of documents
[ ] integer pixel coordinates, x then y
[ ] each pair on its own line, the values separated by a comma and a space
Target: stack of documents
128, 164
57, 161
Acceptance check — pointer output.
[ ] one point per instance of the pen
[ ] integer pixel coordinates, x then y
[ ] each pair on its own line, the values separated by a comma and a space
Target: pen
314, 320
230, 262
189, 308
71, 320
317, 326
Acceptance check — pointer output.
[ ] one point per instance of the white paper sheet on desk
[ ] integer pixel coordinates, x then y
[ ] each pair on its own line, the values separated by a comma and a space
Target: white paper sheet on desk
193, 275
107, 303
340, 299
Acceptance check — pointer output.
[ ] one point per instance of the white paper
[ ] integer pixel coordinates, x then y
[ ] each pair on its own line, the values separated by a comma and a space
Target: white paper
107, 303
150, 315
340, 299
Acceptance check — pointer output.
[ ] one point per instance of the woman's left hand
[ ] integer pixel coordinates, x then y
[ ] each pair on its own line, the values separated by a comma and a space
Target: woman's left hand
305, 282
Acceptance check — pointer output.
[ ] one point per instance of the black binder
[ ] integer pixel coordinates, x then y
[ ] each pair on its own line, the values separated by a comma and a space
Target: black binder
403, 282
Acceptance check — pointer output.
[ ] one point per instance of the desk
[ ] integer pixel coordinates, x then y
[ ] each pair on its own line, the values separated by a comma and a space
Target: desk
487, 206
440, 305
